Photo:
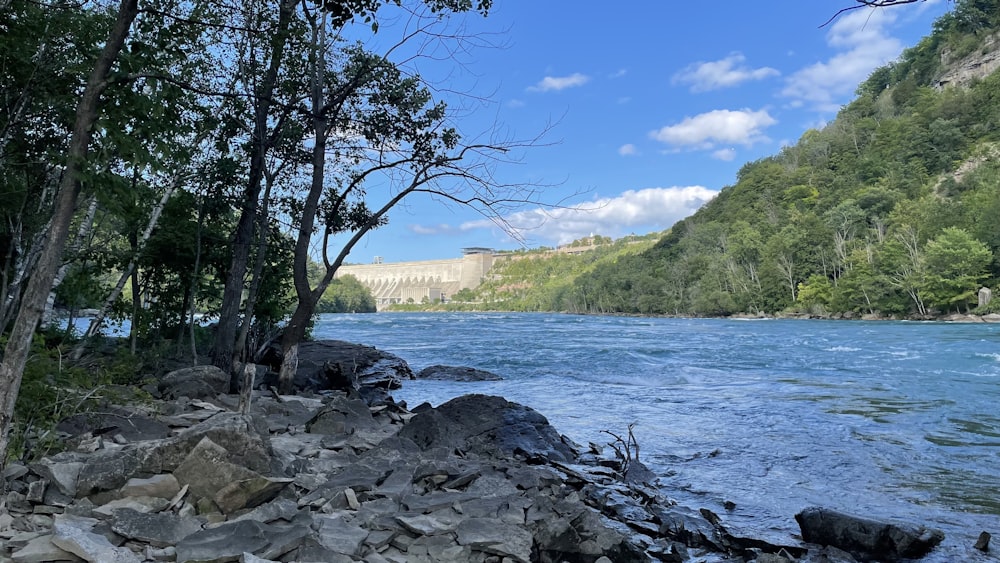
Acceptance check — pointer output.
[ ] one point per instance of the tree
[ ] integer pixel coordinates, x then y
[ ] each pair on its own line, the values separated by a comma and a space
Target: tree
382, 127
955, 264
33, 301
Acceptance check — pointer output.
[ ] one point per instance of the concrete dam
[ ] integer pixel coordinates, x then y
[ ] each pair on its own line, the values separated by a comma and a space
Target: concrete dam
429, 280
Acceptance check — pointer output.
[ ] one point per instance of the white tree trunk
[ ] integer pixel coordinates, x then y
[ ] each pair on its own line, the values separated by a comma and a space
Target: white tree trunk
86, 226
98, 320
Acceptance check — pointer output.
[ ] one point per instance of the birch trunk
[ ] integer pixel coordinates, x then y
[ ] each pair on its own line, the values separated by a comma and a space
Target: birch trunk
98, 320
86, 226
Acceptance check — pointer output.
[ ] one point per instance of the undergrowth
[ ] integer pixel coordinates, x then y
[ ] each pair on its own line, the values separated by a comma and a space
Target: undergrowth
54, 388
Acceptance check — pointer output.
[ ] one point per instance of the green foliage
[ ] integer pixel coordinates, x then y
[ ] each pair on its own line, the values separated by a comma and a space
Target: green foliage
889, 209
53, 388
955, 264
346, 295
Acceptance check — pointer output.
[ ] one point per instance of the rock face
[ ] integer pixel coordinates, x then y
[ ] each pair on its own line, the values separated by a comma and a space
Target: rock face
866, 539
456, 373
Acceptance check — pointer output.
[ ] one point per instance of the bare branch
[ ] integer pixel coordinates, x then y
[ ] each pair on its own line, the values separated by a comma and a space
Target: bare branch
868, 4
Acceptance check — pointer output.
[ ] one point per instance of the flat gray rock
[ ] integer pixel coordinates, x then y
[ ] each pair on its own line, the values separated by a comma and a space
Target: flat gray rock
73, 534
456, 373
158, 530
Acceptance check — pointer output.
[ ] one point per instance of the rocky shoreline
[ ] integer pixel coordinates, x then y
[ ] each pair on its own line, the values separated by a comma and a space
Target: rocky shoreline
343, 473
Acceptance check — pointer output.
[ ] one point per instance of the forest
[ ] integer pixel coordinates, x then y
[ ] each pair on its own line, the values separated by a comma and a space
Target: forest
890, 210
164, 161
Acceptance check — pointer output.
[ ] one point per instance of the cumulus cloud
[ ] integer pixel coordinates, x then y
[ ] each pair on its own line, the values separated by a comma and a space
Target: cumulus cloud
627, 150
726, 155
725, 73
743, 127
863, 42
650, 209
556, 83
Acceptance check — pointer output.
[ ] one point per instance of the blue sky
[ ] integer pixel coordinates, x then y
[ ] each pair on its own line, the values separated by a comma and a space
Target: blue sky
647, 111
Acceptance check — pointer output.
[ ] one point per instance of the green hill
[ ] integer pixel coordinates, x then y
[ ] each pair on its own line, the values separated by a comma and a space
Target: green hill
893, 208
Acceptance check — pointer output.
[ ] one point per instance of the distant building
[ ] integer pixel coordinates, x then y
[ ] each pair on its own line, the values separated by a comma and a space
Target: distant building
430, 280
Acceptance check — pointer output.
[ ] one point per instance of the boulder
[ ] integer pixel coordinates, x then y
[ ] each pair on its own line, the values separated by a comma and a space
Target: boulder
456, 373
232, 487
245, 444
490, 426
198, 382
864, 538
334, 364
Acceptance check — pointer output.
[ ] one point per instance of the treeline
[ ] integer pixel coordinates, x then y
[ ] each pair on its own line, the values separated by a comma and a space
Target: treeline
890, 209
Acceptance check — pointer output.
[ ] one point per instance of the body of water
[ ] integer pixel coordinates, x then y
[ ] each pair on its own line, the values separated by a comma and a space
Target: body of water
893, 420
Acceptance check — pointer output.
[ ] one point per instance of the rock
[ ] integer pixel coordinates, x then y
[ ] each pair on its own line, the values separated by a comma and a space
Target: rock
864, 538
245, 445
456, 373
62, 474
248, 493
489, 426
41, 550
139, 504
164, 485
198, 382
340, 536
495, 537
132, 426
983, 543
341, 416
73, 534
229, 541
334, 364
158, 530
231, 486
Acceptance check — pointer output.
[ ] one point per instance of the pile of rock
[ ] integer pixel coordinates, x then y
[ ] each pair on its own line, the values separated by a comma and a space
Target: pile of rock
337, 478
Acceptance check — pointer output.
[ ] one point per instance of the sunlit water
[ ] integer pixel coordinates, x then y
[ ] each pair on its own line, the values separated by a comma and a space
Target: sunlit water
888, 419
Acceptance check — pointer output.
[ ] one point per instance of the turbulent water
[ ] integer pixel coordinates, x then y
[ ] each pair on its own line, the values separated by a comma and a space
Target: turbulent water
888, 419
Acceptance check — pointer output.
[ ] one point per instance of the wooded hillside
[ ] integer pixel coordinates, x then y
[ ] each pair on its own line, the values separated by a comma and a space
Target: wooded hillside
891, 209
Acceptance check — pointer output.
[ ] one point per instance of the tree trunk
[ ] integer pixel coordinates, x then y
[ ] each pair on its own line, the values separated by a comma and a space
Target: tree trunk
81, 234
296, 327
98, 320
194, 281
33, 301
232, 296
255, 281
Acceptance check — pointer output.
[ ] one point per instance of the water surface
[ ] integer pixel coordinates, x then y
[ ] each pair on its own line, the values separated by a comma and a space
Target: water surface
888, 419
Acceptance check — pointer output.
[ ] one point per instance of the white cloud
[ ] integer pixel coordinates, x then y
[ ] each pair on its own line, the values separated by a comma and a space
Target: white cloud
619, 73
515, 103
863, 42
439, 229
556, 83
724, 73
650, 209
726, 155
627, 150
743, 127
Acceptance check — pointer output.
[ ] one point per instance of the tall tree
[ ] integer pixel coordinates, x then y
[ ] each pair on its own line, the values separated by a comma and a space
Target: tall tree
33, 302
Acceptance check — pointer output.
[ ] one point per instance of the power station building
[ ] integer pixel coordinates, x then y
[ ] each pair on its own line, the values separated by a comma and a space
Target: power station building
429, 280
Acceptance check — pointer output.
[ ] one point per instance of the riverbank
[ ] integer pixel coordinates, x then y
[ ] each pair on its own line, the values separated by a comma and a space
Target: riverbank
351, 475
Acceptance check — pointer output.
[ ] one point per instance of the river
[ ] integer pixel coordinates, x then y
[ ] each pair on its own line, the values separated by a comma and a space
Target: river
893, 420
